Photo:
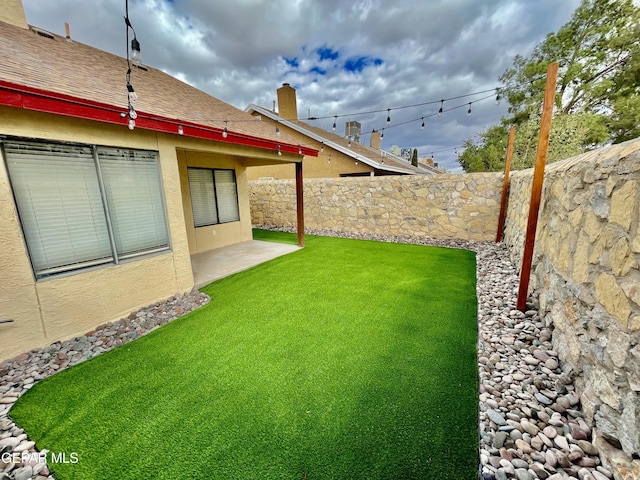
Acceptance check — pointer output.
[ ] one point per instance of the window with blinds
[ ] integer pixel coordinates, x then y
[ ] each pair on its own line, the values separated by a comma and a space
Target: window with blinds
214, 196
82, 205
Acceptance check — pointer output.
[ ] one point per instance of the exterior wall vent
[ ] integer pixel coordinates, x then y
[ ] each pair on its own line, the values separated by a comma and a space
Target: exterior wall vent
43, 33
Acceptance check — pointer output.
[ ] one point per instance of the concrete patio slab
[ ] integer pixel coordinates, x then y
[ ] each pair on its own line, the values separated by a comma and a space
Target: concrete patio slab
225, 261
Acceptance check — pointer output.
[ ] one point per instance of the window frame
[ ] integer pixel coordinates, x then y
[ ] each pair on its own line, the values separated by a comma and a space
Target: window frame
107, 215
215, 196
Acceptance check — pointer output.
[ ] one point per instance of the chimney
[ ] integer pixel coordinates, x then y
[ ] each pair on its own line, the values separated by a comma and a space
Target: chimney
375, 139
12, 12
287, 107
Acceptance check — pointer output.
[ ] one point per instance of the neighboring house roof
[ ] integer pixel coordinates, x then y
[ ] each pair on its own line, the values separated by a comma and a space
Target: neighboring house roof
378, 159
46, 72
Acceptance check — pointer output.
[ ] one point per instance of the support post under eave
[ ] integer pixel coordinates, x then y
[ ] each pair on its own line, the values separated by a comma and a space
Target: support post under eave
300, 204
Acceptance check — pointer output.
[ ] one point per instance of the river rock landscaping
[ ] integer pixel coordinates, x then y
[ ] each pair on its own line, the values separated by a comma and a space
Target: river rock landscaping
530, 423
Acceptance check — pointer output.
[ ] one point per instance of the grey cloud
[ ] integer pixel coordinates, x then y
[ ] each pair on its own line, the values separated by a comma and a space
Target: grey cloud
234, 50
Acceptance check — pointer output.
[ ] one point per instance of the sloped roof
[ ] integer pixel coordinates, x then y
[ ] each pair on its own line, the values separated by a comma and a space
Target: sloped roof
379, 159
47, 62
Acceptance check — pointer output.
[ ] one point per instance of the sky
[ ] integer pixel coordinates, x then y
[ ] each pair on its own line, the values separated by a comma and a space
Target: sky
343, 57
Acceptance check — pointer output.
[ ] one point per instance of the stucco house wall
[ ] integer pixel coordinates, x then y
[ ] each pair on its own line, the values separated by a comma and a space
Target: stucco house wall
71, 304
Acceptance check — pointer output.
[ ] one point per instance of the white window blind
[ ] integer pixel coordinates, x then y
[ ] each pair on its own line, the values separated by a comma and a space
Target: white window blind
203, 200
81, 206
214, 196
58, 197
227, 195
132, 187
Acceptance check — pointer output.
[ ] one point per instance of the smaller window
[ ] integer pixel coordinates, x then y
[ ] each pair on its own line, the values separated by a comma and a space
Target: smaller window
214, 196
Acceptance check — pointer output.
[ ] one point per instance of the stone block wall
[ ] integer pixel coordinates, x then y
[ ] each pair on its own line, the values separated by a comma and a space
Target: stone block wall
586, 281
459, 206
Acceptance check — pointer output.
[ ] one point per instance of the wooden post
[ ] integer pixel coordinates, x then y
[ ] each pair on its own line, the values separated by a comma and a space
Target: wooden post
300, 204
505, 184
536, 188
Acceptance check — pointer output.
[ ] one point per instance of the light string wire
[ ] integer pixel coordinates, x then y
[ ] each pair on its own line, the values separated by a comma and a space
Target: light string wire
131, 94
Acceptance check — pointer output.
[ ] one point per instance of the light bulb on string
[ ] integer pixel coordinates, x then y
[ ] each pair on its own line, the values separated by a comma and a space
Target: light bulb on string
349, 142
329, 161
299, 150
441, 108
135, 51
469, 111
180, 130
132, 112
279, 151
322, 147
497, 97
334, 123
422, 126
382, 133
225, 132
132, 124
277, 129
388, 117
131, 93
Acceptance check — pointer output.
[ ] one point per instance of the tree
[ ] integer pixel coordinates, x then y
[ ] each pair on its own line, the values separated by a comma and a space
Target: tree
414, 157
598, 89
593, 50
570, 136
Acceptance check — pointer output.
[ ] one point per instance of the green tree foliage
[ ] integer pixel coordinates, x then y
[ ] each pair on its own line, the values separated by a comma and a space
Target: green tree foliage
414, 157
567, 139
597, 98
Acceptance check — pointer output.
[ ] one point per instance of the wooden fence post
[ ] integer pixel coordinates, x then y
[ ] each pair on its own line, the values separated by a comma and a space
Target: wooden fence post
300, 204
505, 184
536, 188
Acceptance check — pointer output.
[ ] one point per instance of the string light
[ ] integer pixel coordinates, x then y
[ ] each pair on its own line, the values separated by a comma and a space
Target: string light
334, 123
469, 111
422, 126
135, 58
180, 130
279, 151
277, 129
497, 96
225, 132
388, 116
322, 147
349, 142
299, 150
441, 108
382, 133
329, 161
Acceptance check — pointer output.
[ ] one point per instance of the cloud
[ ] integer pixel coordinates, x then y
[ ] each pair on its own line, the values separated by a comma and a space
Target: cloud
343, 56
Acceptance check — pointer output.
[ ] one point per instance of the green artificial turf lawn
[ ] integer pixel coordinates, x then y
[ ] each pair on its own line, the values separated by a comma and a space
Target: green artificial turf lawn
345, 360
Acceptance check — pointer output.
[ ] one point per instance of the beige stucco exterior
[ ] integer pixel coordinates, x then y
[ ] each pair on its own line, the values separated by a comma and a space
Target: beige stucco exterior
329, 163
12, 12
69, 305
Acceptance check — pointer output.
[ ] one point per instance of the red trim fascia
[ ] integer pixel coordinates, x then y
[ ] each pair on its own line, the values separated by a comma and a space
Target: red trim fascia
29, 98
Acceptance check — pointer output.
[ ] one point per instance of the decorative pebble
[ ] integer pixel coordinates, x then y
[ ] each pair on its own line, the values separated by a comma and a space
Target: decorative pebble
520, 373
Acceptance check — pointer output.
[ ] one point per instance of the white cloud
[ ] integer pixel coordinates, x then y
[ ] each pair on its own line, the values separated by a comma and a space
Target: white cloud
410, 52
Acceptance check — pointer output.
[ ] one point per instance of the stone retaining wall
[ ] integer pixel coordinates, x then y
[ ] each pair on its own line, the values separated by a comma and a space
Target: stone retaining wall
586, 281
455, 206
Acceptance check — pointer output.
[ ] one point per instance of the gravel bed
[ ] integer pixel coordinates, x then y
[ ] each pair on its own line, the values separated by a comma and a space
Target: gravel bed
530, 423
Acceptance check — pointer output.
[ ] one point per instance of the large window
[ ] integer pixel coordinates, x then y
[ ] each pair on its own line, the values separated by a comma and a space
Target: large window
83, 205
214, 196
